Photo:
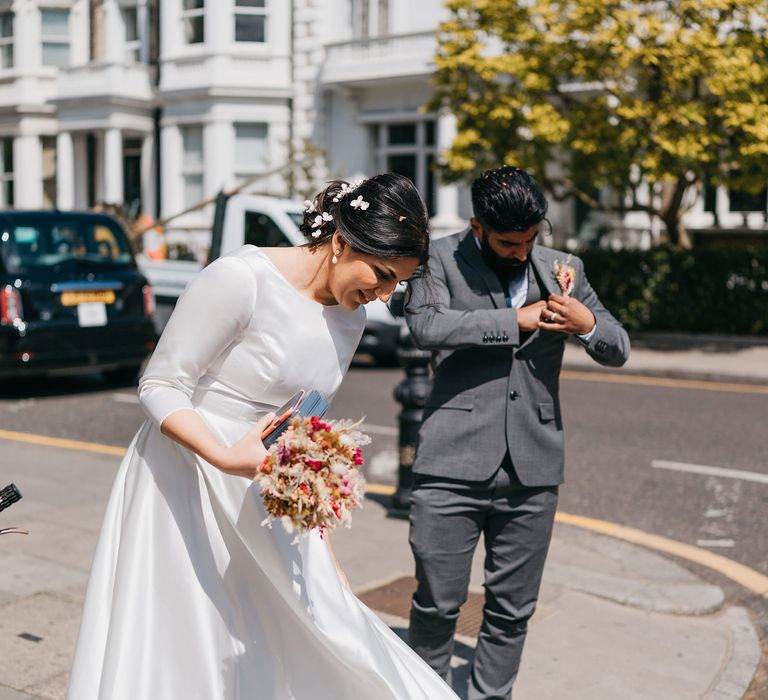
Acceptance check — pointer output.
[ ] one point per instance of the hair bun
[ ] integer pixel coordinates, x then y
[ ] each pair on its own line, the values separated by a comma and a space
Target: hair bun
318, 225
382, 216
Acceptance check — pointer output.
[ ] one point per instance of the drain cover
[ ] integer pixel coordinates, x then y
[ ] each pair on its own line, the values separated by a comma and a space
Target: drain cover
394, 598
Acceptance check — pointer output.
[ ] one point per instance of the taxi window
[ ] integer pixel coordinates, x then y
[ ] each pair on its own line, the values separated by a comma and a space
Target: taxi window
35, 241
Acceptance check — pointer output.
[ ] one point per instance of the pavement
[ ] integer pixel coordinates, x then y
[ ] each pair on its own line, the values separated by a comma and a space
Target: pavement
736, 359
615, 621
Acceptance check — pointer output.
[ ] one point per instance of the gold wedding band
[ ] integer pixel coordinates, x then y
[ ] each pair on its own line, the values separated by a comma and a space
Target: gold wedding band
553, 317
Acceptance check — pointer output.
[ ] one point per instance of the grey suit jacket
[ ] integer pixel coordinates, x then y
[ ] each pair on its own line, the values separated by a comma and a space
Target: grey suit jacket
493, 391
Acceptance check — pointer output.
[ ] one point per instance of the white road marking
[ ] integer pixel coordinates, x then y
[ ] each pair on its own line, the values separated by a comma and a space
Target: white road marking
717, 513
382, 465
379, 429
716, 543
757, 477
125, 398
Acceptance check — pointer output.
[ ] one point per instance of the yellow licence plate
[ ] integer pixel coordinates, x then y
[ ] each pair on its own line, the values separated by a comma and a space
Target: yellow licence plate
106, 296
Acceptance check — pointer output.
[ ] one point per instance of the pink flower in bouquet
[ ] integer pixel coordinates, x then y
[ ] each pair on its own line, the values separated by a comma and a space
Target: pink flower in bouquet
311, 478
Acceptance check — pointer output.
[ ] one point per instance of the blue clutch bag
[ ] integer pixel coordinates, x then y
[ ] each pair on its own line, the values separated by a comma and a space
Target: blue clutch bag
304, 405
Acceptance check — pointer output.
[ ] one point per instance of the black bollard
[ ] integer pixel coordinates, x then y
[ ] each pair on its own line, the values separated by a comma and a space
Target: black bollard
8, 496
412, 394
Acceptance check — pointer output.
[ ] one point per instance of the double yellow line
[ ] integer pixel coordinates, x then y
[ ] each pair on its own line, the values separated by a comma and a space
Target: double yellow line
62, 442
750, 579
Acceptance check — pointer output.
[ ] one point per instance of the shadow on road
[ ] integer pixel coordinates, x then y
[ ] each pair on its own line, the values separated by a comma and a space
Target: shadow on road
66, 385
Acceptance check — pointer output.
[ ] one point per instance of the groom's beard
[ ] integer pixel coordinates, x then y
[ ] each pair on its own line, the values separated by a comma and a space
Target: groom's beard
506, 268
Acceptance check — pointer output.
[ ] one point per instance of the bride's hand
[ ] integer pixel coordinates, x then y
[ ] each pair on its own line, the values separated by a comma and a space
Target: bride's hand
245, 456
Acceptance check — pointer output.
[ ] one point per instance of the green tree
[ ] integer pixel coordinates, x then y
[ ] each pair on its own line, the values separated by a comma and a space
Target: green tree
631, 95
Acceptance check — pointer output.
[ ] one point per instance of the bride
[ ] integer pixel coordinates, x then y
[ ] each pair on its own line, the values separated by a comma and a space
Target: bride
190, 597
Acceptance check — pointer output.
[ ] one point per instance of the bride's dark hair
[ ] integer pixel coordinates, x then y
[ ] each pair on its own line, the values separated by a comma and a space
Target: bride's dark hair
394, 225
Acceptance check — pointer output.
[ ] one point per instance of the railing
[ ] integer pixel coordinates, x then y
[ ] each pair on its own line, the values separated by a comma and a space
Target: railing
132, 81
371, 58
252, 71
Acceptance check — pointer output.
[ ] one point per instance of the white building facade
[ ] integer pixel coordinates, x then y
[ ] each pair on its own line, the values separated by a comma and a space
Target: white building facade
158, 104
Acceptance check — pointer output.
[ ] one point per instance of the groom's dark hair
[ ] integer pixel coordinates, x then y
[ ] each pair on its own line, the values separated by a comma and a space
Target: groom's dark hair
508, 199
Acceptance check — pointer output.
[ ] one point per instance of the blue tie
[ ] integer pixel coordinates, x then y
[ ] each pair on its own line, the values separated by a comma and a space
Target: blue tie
510, 278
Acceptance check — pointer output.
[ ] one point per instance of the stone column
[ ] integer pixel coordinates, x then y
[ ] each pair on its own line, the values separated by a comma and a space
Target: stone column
79, 20
113, 166
171, 147
114, 33
219, 25
218, 156
28, 172
65, 171
27, 29
171, 38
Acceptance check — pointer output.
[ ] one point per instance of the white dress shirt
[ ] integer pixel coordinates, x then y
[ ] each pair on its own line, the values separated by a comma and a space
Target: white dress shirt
518, 292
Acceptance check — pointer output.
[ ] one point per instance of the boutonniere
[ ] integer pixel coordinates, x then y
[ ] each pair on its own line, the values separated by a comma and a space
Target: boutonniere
565, 275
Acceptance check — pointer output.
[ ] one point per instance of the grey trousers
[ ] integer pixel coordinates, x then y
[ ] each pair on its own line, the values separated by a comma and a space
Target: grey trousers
447, 518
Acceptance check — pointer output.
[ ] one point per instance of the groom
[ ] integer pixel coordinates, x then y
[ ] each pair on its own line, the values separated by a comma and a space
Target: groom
490, 455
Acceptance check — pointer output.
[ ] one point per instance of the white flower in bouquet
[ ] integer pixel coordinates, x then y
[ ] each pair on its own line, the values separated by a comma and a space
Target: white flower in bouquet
311, 478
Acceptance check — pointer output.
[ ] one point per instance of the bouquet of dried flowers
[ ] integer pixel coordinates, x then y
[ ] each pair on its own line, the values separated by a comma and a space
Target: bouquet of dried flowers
311, 478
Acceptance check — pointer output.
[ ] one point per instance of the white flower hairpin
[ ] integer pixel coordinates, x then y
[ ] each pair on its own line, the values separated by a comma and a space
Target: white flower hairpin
309, 206
347, 188
319, 221
359, 203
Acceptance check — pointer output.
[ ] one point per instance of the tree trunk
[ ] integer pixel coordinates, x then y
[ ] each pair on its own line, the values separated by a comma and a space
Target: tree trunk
672, 214
676, 233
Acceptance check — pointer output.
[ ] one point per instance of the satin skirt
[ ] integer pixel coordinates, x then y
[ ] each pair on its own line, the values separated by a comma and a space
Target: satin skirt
190, 597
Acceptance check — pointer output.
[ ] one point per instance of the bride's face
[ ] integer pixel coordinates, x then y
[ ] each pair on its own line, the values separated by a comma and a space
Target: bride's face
358, 278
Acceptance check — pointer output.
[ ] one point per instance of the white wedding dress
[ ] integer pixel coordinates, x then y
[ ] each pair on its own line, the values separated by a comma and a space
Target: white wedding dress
190, 597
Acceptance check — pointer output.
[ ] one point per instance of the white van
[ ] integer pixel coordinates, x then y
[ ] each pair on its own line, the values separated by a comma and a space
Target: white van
268, 222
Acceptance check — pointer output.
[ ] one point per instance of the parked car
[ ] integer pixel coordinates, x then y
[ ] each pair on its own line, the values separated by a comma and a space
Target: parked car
71, 296
267, 222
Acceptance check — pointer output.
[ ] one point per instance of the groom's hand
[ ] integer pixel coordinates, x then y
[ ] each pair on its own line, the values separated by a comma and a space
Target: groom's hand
528, 317
567, 315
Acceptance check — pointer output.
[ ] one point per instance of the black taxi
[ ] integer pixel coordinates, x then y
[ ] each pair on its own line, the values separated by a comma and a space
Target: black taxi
71, 296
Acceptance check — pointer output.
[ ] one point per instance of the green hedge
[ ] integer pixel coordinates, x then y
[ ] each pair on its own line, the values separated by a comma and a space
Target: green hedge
700, 291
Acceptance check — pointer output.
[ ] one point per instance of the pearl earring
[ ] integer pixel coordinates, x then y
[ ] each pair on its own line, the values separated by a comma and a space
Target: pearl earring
335, 258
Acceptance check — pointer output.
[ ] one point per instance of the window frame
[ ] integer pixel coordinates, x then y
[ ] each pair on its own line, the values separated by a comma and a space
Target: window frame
191, 14
55, 39
197, 171
243, 173
242, 10
6, 41
423, 152
133, 47
361, 19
